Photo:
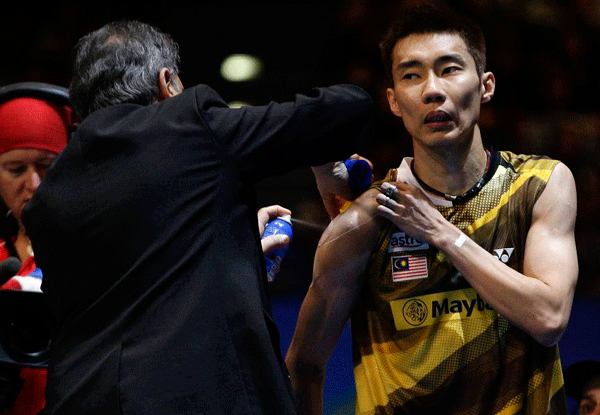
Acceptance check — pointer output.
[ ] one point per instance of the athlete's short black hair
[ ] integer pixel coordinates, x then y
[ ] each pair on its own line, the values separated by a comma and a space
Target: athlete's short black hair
429, 18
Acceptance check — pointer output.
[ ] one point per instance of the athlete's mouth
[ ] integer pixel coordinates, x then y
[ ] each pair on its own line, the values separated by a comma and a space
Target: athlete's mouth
437, 116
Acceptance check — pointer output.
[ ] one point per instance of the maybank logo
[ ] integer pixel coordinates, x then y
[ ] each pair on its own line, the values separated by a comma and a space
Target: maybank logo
467, 307
434, 308
401, 242
414, 312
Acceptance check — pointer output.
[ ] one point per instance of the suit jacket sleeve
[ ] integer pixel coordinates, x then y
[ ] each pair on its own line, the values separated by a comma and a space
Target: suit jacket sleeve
326, 124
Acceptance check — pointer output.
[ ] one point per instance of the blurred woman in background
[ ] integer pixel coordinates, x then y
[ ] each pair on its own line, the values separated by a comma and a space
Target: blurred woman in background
32, 133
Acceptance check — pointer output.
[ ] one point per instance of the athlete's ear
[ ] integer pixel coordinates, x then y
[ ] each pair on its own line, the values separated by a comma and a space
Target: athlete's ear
488, 86
393, 102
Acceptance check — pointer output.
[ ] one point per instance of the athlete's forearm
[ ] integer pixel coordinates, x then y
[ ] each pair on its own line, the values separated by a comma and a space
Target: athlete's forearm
540, 308
307, 382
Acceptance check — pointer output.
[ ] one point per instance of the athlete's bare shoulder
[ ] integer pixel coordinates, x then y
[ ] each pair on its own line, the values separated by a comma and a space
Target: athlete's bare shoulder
356, 223
347, 243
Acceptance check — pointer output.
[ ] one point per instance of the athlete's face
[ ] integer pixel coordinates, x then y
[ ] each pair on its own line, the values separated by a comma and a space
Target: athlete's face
437, 91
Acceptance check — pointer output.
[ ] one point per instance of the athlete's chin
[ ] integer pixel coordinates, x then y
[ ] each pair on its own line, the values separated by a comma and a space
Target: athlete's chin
442, 138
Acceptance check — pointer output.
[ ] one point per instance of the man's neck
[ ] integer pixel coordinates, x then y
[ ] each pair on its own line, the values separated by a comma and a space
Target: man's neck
452, 169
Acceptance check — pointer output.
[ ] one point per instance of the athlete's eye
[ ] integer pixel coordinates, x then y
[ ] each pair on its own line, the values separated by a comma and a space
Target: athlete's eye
451, 69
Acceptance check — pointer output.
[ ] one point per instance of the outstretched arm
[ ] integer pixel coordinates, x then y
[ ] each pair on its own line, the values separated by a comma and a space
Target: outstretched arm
339, 268
538, 300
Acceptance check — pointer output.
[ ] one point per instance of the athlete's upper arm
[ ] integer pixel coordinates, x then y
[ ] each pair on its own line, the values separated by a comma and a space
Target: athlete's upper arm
338, 275
550, 253
347, 242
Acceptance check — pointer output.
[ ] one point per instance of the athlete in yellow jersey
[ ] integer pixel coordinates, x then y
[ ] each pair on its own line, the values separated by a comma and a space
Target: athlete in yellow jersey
458, 271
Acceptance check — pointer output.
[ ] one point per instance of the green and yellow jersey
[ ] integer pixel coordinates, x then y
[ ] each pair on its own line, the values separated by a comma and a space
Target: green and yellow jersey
425, 342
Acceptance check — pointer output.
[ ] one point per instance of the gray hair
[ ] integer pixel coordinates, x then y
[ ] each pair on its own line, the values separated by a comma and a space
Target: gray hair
119, 63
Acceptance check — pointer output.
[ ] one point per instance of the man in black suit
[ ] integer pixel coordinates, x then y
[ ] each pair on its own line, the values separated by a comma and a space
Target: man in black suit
146, 232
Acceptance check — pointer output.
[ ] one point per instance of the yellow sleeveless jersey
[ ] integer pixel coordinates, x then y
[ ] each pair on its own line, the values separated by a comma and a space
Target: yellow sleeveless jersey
424, 342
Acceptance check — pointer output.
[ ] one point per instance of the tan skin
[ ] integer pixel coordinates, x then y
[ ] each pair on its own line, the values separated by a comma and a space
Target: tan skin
333, 186
437, 93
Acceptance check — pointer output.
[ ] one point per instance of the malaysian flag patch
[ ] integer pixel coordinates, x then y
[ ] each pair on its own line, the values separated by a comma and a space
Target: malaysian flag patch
409, 267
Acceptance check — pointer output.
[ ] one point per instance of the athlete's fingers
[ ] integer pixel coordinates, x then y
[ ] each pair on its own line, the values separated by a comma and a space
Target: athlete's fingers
386, 201
389, 190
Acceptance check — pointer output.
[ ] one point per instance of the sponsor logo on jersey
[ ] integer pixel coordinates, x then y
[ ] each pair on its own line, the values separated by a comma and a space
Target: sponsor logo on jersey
503, 254
414, 312
459, 306
409, 267
435, 308
401, 242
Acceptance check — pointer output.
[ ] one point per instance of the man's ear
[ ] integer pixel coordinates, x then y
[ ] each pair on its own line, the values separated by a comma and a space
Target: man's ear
394, 107
488, 86
168, 85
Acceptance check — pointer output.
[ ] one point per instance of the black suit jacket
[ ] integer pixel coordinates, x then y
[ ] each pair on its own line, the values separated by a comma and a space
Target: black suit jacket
145, 229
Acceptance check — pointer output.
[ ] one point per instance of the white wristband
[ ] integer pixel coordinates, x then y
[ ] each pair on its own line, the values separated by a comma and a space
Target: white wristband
461, 240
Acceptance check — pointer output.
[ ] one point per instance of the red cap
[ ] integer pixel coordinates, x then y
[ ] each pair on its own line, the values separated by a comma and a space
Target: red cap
34, 123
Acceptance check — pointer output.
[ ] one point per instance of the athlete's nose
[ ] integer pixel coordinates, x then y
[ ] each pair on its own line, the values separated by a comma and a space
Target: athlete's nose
432, 90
